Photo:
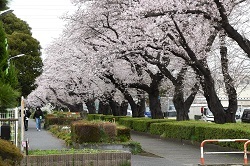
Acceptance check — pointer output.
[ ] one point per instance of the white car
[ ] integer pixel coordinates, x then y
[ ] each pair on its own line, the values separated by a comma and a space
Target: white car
129, 113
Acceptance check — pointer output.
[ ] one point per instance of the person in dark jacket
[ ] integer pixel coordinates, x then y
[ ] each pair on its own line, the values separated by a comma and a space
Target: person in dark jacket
38, 116
27, 114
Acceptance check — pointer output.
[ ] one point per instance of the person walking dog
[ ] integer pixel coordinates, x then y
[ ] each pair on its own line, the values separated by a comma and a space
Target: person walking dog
38, 116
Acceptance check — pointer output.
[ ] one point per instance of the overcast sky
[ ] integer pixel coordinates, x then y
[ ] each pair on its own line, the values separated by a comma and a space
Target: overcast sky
43, 17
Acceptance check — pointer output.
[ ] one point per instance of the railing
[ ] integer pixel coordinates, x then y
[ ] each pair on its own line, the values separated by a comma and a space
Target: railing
202, 160
10, 117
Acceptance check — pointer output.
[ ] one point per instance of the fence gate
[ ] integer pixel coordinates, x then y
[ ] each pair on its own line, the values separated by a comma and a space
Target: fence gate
10, 118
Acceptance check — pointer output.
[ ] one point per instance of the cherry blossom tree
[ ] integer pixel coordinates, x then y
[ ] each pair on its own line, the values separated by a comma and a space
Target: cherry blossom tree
110, 33
205, 14
132, 43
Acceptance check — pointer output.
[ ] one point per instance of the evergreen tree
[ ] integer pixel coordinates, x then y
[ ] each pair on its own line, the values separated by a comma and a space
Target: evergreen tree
3, 4
8, 78
20, 41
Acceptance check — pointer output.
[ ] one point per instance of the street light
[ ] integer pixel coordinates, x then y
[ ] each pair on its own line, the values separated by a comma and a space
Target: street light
13, 58
6, 12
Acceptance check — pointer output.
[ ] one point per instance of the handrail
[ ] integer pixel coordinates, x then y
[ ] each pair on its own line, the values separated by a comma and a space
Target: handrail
202, 160
245, 151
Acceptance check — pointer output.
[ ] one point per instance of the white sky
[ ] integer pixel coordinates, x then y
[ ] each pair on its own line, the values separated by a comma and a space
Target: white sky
43, 17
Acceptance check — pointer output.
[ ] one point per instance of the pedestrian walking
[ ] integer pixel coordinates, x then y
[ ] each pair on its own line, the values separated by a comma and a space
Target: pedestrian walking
27, 114
38, 116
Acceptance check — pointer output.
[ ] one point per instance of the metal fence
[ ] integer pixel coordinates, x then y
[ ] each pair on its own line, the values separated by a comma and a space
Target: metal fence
10, 117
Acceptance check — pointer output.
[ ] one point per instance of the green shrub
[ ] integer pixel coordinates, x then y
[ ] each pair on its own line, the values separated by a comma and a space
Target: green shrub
91, 117
128, 122
143, 124
9, 153
99, 117
53, 120
135, 147
109, 118
109, 129
62, 133
157, 128
122, 134
84, 131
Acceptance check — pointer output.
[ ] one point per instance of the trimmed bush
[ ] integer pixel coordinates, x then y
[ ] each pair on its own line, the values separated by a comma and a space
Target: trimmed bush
99, 117
109, 129
143, 124
53, 120
84, 131
128, 122
122, 133
91, 117
109, 118
157, 128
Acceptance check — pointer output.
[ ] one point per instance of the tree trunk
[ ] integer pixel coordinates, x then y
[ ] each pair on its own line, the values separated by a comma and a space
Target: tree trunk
126, 94
76, 107
213, 101
107, 110
115, 107
242, 41
104, 108
231, 91
100, 108
141, 106
155, 104
178, 100
90, 103
124, 108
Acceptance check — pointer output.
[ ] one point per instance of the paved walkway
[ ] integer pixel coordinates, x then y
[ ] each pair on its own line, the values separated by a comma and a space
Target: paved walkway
177, 153
43, 139
166, 152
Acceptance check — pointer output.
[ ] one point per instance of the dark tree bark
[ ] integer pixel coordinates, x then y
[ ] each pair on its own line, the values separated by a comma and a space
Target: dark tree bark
75, 107
153, 93
213, 101
90, 103
243, 42
200, 66
124, 108
178, 98
155, 104
100, 108
115, 107
207, 82
134, 106
118, 109
231, 91
182, 106
224, 23
104, 108
141, 105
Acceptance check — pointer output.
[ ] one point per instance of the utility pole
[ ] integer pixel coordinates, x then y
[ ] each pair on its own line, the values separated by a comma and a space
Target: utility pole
22, 122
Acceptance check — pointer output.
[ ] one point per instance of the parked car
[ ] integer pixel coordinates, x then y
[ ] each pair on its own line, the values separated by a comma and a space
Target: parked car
147, 112
246, 116
129, 112
171, 112
206, 115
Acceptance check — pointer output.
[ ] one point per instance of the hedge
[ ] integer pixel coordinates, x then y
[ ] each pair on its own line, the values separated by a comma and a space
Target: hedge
189, 130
